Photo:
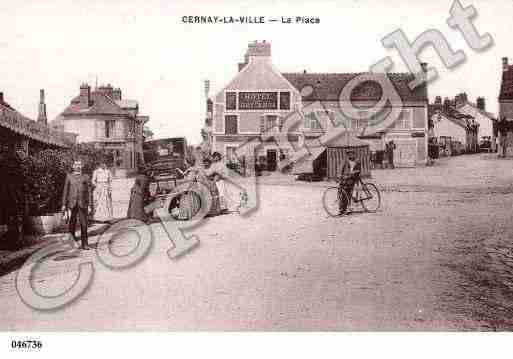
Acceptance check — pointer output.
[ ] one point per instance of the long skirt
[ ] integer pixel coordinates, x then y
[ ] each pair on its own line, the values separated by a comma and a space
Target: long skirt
136, 205
102, 202
222, 190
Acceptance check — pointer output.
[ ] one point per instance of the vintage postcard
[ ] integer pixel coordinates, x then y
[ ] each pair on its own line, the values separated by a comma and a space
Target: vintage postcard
256, 166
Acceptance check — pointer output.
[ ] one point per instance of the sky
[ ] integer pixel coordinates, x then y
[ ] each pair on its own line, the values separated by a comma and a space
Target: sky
145, 48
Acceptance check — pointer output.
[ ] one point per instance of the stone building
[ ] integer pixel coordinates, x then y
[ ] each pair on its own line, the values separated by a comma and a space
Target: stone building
260, 98
103, 117
504, 125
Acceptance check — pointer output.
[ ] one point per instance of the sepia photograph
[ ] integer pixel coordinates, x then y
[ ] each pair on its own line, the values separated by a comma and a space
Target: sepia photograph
272, 166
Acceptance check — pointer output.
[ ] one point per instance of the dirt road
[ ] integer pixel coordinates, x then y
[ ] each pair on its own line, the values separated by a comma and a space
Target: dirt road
289, 266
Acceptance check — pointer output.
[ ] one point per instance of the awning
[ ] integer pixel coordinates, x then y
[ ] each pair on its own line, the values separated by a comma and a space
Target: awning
305, 164
24, 126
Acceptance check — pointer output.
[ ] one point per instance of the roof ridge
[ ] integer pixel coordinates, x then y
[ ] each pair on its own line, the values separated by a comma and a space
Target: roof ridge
348, 73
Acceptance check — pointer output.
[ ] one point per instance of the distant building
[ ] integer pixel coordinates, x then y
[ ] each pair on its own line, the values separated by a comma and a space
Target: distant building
104, 118
478, 111
456, 131
504, 126
260, 98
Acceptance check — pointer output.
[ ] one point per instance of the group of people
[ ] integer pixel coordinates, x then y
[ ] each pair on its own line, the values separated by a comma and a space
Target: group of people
84, 197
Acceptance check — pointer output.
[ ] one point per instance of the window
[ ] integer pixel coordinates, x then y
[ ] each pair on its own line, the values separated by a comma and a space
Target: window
230, 125
404, 120
271, 122
110, 126
231, 100
312, 122
362, 121
284, 100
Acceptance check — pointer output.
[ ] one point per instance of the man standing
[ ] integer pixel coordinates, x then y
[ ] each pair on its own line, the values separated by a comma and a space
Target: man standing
390, 150
350, 171
77, 197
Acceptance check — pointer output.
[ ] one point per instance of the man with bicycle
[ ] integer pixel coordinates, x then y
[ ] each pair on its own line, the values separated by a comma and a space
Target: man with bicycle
350, 172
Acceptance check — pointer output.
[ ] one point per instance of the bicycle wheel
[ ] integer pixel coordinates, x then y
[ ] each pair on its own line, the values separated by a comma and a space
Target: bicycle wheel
334, 201
371, 198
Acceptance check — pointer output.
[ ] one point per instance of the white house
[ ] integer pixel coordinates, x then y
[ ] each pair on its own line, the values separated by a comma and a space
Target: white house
478, 111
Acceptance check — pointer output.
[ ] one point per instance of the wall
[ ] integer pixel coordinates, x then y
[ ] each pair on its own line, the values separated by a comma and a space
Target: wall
446, 127
506, 109
84, 128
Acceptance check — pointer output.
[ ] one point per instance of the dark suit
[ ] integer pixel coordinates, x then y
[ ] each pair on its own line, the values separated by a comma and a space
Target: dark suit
77, 196
348, 180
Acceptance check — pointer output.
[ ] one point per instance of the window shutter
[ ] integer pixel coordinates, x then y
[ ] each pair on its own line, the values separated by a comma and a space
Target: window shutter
306, 124
262, 124
282, 121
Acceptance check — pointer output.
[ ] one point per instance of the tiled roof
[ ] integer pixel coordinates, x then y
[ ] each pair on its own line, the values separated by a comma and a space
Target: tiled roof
101, 104
328, 86
482, 112
507, 84
450, 113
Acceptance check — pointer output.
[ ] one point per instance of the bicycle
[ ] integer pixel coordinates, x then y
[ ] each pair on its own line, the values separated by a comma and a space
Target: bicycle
336, 200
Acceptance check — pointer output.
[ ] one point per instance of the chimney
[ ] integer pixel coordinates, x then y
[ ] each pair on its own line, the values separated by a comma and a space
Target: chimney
424, 67
304, 71
1, 97
460, 98
258, 49
116, 94
41, 116
85, 95
480, 103
504, 64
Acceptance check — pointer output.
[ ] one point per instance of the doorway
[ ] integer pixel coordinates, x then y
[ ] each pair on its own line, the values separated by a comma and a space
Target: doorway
271, 160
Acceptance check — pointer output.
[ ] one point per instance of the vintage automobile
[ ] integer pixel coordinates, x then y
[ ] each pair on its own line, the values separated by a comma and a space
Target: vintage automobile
165, 163
485, 145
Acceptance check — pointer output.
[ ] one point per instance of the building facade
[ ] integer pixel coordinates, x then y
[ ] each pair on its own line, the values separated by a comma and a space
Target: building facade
457, 132
260, 98
479, 113
504, 126
103, 117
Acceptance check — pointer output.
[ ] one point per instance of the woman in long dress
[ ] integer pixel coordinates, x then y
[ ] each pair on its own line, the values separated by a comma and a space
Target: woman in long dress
102, 181
216, 172
139, 197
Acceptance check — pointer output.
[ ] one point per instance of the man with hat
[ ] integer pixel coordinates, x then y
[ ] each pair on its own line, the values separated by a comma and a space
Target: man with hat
77, 198
350, 173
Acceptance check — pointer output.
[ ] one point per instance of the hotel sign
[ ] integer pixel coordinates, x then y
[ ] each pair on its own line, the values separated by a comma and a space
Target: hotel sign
258, 100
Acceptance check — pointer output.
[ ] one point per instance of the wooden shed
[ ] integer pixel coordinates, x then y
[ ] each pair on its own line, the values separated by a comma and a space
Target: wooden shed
337, 150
